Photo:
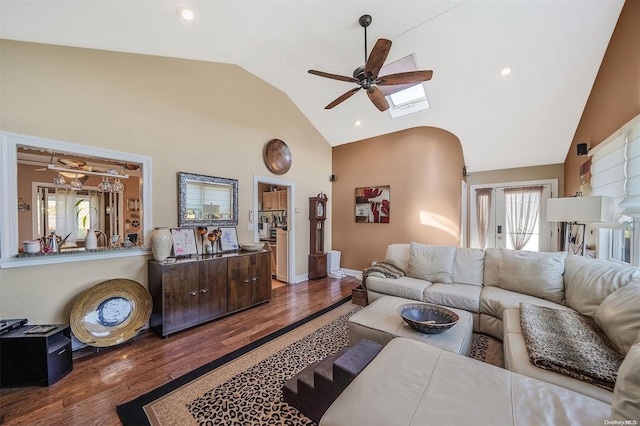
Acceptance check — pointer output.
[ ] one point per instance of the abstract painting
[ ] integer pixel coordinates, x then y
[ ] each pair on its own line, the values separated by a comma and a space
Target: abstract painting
372, 204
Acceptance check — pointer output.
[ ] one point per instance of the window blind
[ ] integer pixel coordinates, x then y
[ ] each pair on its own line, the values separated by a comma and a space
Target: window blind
631, 202
607, 172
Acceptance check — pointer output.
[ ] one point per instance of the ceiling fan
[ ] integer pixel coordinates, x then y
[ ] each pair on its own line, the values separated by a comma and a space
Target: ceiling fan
366, 77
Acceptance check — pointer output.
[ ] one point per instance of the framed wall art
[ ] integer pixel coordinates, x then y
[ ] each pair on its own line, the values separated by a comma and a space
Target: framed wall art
372, 204
229, 239
184, 241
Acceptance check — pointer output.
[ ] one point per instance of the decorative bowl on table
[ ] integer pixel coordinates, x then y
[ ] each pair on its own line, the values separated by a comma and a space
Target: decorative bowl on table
428, 318
252, 246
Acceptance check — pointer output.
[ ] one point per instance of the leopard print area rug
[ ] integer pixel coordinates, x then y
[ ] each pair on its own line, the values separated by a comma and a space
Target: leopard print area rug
248, 390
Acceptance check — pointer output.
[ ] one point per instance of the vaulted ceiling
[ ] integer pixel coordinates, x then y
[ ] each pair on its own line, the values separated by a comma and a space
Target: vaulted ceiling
527, 118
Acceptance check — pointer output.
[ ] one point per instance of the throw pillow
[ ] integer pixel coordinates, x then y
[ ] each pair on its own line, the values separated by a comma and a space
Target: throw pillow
619, 316
468, 266
626, 394
398, 255
431, 263
491, 266
537, 274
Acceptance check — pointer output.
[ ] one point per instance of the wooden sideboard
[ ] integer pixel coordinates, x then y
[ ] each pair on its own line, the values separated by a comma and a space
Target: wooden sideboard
190, 292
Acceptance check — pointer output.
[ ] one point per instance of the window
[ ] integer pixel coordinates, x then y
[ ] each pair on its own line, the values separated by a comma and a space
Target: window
404, 99
12, 148
621, 241
615, 172
61, 212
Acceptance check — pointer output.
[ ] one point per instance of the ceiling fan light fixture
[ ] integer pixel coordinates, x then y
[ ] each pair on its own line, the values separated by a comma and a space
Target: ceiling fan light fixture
186, 13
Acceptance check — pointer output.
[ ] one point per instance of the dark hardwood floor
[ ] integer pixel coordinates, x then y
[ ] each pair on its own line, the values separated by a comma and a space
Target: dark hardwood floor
100, 381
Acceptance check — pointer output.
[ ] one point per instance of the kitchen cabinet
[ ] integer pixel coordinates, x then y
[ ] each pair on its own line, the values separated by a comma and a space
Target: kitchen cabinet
281, 257
190, 292
275, 200
274, 258
282, 199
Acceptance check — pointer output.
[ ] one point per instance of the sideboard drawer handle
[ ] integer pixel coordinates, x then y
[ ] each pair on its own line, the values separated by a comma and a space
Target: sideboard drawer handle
254, 279
204, 290
245, 281
193, 293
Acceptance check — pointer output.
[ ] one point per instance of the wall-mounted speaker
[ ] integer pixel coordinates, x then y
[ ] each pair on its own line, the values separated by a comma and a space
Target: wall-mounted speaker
582, 149
332, 178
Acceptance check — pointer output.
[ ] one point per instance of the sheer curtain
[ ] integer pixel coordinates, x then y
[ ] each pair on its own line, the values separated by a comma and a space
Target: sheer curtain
66, 222
522, 210
483, 214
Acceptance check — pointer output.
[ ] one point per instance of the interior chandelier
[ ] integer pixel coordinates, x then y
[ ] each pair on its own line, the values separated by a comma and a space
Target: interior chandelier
110, 179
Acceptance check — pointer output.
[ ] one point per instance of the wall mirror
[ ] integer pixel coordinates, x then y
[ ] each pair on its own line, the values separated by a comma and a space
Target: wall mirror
207, 200
61, 189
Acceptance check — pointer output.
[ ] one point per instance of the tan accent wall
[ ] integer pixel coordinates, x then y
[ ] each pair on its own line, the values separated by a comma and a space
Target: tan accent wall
423, 167
190, 116
615, 96
552, 171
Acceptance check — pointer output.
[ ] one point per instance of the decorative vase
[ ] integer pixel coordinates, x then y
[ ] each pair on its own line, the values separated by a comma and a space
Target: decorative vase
91, 240
161, 242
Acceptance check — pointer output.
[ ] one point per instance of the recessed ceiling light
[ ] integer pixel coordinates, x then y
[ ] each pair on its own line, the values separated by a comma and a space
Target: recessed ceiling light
505, 71
185, 13
357, 123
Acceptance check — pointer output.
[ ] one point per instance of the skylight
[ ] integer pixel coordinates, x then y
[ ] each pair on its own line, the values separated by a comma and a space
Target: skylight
404, 99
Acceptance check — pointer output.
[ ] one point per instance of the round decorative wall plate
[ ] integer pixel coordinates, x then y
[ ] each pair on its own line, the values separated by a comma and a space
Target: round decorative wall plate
277, 156
111, 312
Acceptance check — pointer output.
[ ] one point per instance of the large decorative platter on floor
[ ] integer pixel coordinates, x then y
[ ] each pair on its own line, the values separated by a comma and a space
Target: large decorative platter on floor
428, 318
111, 312
277, 156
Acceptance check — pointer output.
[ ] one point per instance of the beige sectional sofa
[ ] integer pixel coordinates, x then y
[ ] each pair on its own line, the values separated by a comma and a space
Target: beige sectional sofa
491, 284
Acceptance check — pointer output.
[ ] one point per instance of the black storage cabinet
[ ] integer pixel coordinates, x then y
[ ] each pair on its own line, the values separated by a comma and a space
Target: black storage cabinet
35, 359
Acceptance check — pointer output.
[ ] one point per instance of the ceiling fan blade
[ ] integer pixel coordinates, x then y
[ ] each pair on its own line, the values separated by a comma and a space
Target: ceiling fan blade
333, 76
405, 78
377, 57
378, 98
342, 98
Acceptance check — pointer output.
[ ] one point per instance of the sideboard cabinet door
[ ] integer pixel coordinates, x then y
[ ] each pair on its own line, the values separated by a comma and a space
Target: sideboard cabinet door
212, 289
180, 293
261, 290
249, 280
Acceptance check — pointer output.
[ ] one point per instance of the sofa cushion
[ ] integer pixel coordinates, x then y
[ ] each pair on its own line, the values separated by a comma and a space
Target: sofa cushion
537, 274
431, 263
491, 266
398, 255
619, 316
494, 300
412, 383
626, 394
461, 296
407, 287
468, 266
589, 281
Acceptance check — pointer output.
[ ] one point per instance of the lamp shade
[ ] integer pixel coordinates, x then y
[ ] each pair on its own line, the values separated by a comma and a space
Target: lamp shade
580, 209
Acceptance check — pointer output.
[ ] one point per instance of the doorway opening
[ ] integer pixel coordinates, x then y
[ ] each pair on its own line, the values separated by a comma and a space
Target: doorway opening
274, 222
512, 215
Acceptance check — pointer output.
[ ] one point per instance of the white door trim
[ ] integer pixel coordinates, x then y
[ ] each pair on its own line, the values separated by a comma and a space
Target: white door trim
291, 221
473, 228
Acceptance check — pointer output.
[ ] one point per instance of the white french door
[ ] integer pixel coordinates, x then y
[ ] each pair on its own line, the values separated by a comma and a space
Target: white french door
542, 235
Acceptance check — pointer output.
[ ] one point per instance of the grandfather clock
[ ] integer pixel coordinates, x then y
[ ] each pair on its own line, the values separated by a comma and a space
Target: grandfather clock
317, 256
